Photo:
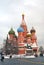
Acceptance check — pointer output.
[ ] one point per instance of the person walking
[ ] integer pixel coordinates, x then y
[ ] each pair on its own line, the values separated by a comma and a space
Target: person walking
2, 57
10, 55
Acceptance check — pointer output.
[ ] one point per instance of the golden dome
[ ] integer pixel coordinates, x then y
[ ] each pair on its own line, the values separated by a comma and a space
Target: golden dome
28, 35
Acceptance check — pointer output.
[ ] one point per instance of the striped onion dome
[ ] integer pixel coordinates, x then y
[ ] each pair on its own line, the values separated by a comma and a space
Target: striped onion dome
11, 31
32, 30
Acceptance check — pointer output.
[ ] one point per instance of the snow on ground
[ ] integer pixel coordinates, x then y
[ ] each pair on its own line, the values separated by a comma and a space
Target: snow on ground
19, 56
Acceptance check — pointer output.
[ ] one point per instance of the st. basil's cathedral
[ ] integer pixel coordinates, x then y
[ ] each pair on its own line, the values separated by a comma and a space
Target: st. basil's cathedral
24, 43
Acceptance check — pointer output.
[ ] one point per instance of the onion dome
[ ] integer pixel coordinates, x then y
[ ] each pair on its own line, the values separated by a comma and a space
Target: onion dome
11, 31
20, 29
28, 35
32, 30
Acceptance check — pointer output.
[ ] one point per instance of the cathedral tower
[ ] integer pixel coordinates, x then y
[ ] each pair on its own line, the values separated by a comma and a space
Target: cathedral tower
24, 26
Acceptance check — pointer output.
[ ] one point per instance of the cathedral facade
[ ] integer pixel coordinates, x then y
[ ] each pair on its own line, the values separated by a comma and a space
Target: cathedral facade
24, 41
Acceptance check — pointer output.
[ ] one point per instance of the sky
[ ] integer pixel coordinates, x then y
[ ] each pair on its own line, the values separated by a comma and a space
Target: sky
11, 13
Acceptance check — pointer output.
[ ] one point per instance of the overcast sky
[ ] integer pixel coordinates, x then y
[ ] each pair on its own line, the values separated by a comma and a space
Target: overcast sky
10, 16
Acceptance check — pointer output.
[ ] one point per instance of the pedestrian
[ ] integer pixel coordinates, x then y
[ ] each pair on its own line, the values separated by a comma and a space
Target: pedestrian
10, 55
2, 57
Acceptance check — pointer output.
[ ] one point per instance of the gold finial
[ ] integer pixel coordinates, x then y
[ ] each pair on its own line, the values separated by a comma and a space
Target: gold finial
23, 16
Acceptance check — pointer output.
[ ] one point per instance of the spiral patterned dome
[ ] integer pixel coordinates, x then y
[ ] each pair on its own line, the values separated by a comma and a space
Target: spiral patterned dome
32, 30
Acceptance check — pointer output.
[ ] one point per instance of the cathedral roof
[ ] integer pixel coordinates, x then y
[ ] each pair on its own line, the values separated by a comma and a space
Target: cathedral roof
11, 31
28, 35
20, 29
32, 30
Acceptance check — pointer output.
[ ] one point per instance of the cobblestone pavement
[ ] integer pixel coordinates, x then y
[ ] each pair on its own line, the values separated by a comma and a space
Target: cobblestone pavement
20, 61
